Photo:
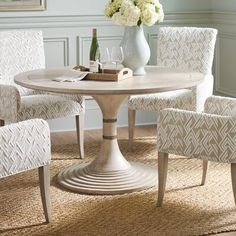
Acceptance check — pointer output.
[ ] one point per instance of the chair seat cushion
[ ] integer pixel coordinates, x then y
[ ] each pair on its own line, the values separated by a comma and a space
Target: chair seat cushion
158, 101
47, 107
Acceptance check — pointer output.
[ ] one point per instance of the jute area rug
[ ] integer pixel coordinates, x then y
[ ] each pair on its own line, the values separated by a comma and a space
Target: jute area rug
189, 209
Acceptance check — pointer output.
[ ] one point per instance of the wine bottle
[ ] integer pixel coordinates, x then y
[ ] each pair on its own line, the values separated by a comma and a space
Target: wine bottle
94, 53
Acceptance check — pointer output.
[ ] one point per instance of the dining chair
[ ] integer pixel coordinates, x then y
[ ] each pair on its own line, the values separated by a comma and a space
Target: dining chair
209, 136
184, 49
22, 51
25, 146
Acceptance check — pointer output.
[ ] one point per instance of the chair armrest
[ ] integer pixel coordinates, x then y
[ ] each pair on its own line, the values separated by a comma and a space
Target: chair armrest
24, 146
9, 102
199, 135
221, 106
202, 91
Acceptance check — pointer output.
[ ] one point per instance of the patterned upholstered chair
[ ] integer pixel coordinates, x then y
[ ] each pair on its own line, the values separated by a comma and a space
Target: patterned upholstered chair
25, 146
210, 136
187, 49
22, 51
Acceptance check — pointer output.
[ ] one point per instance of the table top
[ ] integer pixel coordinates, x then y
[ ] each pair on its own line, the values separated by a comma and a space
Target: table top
157, 79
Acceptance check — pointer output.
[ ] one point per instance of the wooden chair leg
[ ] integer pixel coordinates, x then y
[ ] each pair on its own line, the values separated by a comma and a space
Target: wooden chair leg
162, 176
205, 166
80, 133
131, 124
233, 178
44, 180
2, 123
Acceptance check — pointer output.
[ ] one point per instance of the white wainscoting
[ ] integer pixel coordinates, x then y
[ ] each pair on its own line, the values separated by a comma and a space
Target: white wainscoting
225, 69
67, 40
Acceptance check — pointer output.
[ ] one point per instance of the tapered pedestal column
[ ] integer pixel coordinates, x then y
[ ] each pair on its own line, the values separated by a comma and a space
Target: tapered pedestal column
110, 172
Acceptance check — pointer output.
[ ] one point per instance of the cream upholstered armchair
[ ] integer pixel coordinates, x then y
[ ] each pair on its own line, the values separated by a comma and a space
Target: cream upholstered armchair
187, 49
22, 51
25, 146
210, 136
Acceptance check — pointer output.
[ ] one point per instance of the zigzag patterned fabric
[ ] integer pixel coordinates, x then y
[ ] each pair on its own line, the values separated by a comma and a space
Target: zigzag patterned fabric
47, 106
22, 51
200, 135
10, 102
221, 106
24, 146
187, 49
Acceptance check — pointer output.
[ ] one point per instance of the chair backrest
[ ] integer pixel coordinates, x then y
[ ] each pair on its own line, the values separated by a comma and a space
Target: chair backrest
186, 48
20, 51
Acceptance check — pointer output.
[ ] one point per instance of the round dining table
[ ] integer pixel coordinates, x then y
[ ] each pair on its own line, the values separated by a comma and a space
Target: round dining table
109, 172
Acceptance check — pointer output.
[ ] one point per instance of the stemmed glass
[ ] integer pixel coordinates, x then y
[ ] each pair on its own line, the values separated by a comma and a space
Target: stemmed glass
117, 55
105, 57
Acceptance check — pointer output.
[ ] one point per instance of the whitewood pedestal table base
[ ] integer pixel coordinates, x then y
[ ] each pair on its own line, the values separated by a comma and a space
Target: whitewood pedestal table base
110, 172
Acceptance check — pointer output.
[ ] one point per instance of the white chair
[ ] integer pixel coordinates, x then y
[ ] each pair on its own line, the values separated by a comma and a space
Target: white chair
25, 146
209, 136
22, 51
183, 48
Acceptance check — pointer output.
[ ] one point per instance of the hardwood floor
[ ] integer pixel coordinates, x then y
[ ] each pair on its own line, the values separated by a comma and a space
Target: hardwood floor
90, 135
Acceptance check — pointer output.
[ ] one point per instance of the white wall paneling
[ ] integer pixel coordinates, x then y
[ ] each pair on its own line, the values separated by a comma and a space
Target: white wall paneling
225, 70
85, 42
56, 51
152, 41
225, 80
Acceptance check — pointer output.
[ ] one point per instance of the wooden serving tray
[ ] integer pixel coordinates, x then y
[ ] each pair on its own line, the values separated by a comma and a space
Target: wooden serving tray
108, 75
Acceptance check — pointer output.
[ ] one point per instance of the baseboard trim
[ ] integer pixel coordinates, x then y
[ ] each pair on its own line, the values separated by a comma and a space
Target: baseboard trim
100, 128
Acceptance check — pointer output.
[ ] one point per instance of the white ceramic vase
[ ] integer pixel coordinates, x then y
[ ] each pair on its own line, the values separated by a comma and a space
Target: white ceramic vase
136, 49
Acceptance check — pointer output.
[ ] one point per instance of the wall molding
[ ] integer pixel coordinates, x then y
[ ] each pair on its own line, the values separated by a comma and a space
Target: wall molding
218, 83
61, 21
223, 18
81, 40
65, 41
196, 17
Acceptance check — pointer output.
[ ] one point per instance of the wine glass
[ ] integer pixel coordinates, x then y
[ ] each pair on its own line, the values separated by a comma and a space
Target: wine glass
117, 55
105, 57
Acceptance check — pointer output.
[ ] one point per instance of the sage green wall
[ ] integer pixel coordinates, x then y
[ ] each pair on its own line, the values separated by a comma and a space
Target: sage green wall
186, 5
223, 5
96, 7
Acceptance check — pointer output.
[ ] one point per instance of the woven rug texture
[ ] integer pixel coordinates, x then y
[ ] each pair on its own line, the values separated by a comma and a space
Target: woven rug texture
189, 209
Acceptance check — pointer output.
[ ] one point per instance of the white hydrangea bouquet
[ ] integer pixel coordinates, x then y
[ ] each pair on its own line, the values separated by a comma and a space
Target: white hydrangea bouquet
135, 12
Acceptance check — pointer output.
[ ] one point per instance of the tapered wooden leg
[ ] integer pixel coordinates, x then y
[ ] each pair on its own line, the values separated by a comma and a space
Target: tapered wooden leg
80, 133
131, 124
233, 177
44, 180
2, 123
205, 165
162, 175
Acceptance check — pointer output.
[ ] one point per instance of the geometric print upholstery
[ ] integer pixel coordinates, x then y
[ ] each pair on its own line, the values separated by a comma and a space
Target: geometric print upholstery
10, 101
47, 107
221, 106
158, 101
24, 146
21, 51
199, 135
186, 49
